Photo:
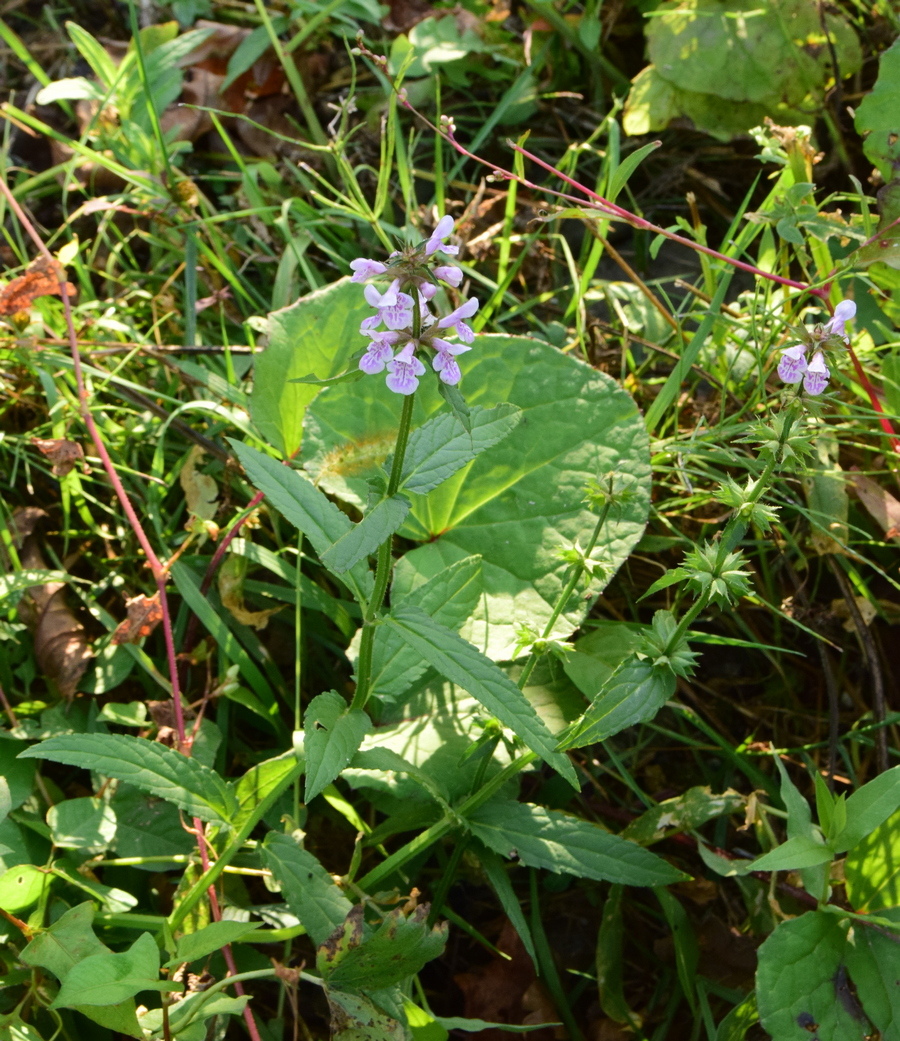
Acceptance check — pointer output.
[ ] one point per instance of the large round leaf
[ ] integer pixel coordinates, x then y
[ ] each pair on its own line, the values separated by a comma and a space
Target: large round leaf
519, 503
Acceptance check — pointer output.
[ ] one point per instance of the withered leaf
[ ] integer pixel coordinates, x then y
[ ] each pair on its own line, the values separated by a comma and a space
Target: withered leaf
882, 506
61, 453
42, 278
144, 615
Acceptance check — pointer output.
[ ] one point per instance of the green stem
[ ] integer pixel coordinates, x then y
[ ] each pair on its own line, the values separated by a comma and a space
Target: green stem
574, 577
209, 877
443, 827
384, 564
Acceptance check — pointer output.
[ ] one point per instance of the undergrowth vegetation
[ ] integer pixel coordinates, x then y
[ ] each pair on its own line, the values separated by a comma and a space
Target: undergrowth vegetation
447, 536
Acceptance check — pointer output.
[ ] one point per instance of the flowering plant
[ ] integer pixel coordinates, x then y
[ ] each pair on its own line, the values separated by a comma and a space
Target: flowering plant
793, 366
405, 310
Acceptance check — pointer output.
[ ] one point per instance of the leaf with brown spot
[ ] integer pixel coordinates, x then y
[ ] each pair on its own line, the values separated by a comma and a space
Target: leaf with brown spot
61, 453
42, 278
144, 615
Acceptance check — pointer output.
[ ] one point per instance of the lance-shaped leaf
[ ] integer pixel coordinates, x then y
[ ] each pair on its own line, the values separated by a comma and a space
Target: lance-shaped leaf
301, 503
148, 765
307, 887
449, 598
443, 445
464, 665
333, 735
547, 839
634, 693
364, 538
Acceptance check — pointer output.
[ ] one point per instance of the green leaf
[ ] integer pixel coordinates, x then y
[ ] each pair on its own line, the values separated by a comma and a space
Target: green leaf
355, 1017
316, 335
260, 781
876, 114
610, 959
18, 774
687, 951
333, 734
68, 941
108, 979
868, 808
22, 886
88, 824
449, 597
148, 827
798, 852
473, 1026
19, 580
443, 445
307, 887
496, 872
301, 503
872, 868
600, 652
801, 981
210, 939
735, 1025
148, 765
634, 693
364, 538
683, 813
518, 502
464, 665
398, 948
555, 841
873, 961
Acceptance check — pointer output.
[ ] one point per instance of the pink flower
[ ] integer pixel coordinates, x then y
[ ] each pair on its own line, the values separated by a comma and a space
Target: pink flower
363, 269
445, 362
436, 242
450, 274
817, 374
404, 370
454, 320
793, 363
394, 308
379, 352
843, 313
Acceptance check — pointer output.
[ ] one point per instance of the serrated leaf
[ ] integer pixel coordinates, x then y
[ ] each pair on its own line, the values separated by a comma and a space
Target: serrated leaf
555, 841
307, 887
443, 445
467, 667
333, 734
364, 538
634, 693
148, 765
356, 1017
448, 597
301, 503
109, 979
399, 947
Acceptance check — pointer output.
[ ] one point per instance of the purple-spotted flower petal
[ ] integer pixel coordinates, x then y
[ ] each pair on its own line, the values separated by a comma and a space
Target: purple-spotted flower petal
394, 307
379, 352
450, 274
363, 269
454, 320
843, 313
436, 241
404, 370
817, 375
793, 364
444, 361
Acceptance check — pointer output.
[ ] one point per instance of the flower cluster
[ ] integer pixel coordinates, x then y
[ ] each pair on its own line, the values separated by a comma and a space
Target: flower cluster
815, 373
404, 323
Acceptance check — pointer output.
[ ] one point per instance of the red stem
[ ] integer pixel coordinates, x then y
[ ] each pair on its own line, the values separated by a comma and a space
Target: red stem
159, 572
886, 424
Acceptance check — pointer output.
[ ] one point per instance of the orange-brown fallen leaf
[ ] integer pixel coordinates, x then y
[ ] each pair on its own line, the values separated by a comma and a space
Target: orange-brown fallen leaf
61, 453
144, 615
42, 278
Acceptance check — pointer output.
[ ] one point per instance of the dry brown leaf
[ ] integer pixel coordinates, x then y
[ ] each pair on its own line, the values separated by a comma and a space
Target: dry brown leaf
42, 278
200, 491
144, 615
61, 453
231, 590
60, 646
882, 506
